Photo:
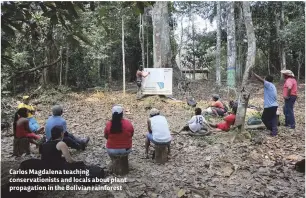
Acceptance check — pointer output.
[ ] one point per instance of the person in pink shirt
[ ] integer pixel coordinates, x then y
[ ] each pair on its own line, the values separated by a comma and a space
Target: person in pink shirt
289, 94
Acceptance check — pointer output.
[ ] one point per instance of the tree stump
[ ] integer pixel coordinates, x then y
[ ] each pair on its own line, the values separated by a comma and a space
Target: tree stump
161, 153
20, 146
120, 164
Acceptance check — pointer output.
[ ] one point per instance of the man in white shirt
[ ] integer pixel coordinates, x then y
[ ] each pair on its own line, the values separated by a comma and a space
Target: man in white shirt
196, 123
159, 132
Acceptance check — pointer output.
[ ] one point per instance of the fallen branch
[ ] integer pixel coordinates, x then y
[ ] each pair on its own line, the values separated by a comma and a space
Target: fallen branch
39, 67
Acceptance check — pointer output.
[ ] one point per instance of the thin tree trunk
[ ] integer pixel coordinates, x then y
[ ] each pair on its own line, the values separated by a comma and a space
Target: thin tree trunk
231, 46
251, 41
299, 66
283, 54
123, 56
147, 32
240, 43
269, 70
193, 48
67, 65
61, 67
218, 54
141, 39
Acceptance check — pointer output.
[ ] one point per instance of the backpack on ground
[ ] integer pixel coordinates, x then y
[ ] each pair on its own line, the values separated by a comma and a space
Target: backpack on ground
191, 102
225, 107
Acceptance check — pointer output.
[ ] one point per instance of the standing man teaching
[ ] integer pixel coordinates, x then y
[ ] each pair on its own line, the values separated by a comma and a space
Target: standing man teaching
290, 95
139, 75
269, 116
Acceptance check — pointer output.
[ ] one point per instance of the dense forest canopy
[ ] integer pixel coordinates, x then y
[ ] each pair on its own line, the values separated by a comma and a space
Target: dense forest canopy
78, 44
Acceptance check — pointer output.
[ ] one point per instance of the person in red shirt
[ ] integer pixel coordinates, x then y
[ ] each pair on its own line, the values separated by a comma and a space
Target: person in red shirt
21, 127
119, 133
290, 95
217, 107
229, 120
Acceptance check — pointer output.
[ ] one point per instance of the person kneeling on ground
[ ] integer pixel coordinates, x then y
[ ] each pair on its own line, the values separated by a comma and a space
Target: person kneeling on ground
57, 120
33, 125
196, 123
21, 127
159, 132
119, 133
229, 120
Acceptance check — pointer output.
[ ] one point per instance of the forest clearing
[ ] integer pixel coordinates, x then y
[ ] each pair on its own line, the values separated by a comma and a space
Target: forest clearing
153, 99
207, 166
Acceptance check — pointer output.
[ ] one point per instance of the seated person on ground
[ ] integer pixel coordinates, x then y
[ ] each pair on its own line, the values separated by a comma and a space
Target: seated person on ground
21, 127
119, 133
159, 132
52, 151
57, 120
196, 123
217, 106
34, 126
229, 120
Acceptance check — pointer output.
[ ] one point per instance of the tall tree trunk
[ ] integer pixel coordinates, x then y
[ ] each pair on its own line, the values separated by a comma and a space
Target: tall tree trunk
231, 45
244, 95
218, 54
67, 65
193, 47
123, 57
161, 35
61, 66
299, 61
240, 44
251, 41
282, 43
141, 39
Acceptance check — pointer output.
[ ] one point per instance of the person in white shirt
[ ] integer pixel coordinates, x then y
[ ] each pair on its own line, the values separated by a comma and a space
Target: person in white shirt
159, 132
196, 123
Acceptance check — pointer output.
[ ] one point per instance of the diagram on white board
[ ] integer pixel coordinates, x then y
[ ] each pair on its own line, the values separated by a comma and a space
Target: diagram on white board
159, 81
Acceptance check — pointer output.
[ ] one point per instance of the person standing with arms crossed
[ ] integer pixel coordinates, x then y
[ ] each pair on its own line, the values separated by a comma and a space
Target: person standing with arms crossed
290, 95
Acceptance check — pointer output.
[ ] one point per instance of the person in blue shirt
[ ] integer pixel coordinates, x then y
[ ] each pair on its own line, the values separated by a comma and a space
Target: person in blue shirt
57, 120
269, 115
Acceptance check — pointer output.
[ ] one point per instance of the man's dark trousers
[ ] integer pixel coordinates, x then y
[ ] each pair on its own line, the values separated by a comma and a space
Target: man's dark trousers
269, 118
72, 141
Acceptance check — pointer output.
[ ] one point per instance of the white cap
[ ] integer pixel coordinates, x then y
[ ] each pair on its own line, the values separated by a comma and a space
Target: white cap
154, 111
117, 109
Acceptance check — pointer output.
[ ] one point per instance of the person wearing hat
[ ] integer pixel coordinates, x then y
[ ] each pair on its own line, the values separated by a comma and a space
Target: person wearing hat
269, 115
33, 124
290, 95
159, 132
119, 133
57, 120
139, 75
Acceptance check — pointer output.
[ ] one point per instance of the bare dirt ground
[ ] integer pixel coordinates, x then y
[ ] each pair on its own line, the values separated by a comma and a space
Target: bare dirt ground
198, 167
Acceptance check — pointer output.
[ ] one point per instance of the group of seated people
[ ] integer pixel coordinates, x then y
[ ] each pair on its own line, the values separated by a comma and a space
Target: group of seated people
199, 124
118, 131
25, 125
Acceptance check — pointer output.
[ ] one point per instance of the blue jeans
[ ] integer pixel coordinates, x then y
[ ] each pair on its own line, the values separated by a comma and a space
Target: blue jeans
150, 138
33, 124
118, 151
288, 112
